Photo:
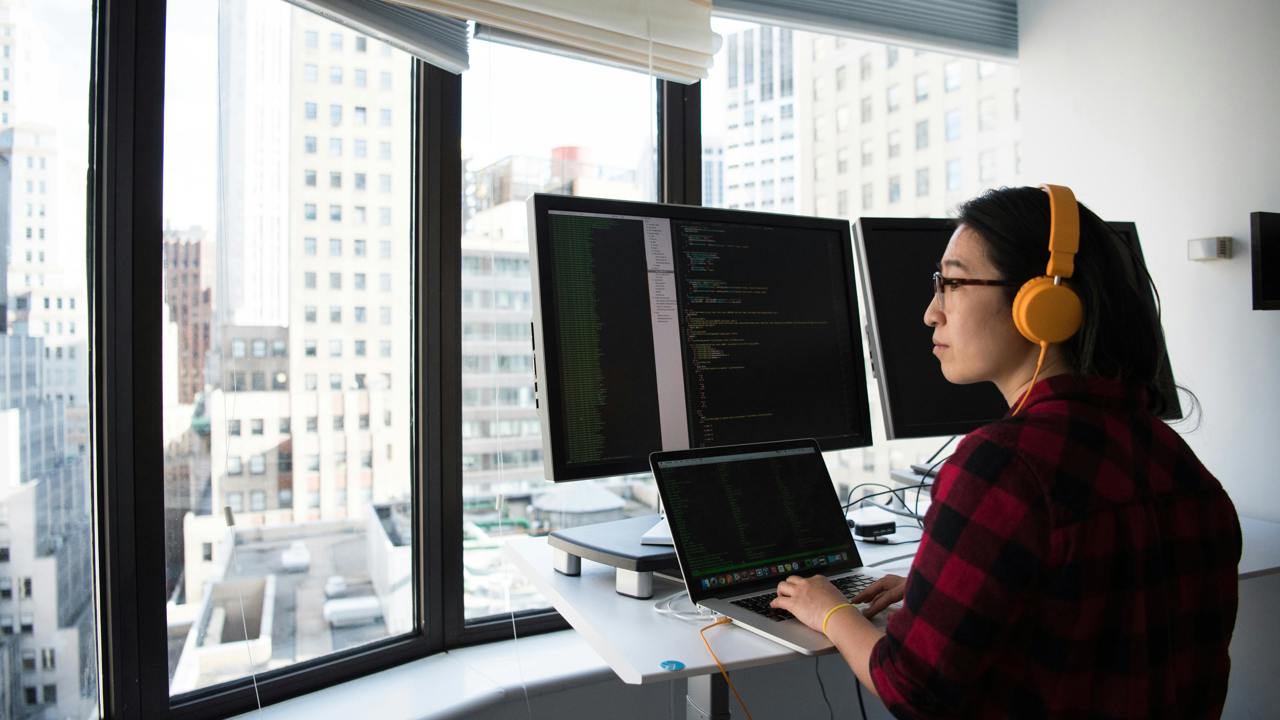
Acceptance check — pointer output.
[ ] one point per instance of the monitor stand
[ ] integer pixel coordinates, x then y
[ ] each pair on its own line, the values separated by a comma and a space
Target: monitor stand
617, 544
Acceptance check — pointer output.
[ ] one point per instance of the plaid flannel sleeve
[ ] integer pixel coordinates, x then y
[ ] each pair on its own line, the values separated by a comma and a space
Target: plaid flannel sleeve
986, 533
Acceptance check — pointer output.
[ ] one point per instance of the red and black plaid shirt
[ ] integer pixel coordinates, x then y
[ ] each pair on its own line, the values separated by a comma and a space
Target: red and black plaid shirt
1078, 561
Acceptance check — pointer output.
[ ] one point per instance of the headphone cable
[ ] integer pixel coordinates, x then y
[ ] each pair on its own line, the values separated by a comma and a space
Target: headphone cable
1044, 348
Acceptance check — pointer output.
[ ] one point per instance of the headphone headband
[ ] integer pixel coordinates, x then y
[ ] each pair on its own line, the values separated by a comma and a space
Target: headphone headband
1064, 233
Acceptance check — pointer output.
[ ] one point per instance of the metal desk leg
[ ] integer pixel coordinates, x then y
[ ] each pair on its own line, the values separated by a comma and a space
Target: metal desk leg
633, 584
564, 563
708, 698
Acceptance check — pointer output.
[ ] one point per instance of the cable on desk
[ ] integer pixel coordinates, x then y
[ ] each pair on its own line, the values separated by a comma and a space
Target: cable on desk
703, 633
889, 560
817, 670
858, 684
939, 450
665, 606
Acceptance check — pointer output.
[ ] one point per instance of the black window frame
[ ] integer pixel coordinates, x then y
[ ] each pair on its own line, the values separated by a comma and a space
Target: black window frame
125, 253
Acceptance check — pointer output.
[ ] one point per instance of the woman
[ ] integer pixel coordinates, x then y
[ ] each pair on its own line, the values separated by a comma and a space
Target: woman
1078, 560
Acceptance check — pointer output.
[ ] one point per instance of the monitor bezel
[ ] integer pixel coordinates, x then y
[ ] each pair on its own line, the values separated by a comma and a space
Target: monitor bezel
1127, 229
546, 387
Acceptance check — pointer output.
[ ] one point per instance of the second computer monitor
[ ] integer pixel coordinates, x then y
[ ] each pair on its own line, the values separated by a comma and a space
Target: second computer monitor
896, 257
665, 327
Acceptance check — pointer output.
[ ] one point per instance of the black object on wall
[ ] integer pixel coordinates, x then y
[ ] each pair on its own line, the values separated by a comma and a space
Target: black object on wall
1265, 242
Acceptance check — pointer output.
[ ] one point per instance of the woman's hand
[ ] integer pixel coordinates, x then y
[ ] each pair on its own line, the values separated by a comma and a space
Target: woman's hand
881, 594
808, 599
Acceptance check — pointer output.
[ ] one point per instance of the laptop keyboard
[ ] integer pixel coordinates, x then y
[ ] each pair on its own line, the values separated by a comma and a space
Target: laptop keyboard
850, 585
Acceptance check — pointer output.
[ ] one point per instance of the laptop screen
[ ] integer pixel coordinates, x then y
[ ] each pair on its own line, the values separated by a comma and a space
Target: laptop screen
751, 515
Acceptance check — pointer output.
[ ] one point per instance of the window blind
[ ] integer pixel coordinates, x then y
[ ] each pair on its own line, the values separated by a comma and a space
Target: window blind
437, 39
986, 28
671, 38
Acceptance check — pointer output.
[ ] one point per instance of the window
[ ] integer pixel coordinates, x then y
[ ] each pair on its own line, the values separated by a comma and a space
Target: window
922, 182
895, 189
335, 313
922, 135
235, 466
890, 56
256, 426
309, 144
864, 67
892, 102
335, 75
866, 154
895, 143
237, 348
922, 87
986, 114
986, 167
335, 247
953, 125
310, 111
233, 428
951, 75
865, 110
953, 176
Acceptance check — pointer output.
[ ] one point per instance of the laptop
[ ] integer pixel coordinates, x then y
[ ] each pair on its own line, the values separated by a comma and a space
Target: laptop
744, 517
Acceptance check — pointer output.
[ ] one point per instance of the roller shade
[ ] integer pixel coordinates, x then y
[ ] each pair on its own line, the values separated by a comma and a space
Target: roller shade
672, 38
437, 39
975, 27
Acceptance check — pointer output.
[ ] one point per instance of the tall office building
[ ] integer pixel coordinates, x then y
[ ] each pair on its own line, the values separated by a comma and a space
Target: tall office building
712, 171
502, 441
28, 209
254, 126
189, 299
46, 618
903, 132
315, 250
350, 269
760, 152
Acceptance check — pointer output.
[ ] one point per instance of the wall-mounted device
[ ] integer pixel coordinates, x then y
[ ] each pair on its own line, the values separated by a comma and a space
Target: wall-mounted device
1209, 248
1265, 242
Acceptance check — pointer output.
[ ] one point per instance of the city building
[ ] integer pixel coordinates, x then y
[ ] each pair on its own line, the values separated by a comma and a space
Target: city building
761, 106
901, 132
188, 294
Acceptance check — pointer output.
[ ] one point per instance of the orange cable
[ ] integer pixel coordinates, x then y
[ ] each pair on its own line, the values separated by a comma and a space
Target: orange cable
1044, 348
703, 633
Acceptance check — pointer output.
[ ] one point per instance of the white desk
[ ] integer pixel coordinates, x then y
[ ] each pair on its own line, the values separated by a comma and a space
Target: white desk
635, 640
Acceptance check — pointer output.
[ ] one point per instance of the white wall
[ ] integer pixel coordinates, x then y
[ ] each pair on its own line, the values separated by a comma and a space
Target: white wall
1167, 113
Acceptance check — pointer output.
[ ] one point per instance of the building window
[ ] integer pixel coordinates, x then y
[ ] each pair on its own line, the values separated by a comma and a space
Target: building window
922, 87
891, 99
256, 426
922, 135
953, 125
233, 428
986, 114
865, 110
953, 176
986, 167
890, 56
922, 182
868, 197
895, 143
257, 465
895, 189
951, 75
235, 466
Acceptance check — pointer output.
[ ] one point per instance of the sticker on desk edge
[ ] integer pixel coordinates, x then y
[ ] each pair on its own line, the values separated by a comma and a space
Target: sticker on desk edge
672, 665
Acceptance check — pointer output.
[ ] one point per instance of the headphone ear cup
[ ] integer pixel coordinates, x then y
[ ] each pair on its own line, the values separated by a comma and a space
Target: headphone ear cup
1044, 312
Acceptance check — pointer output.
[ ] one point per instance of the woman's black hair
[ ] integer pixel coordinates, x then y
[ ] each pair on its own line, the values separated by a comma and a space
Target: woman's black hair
1121, 337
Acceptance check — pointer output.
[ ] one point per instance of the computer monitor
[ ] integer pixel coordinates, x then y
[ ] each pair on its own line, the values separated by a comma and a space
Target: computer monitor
895, 258
666, 327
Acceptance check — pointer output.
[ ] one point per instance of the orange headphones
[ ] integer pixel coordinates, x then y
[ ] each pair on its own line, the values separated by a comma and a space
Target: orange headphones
1045, 311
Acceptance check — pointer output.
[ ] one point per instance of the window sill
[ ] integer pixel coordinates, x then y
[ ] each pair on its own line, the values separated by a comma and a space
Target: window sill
458, 683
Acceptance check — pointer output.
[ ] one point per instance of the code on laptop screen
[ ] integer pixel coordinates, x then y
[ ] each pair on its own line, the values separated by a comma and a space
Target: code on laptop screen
753, 516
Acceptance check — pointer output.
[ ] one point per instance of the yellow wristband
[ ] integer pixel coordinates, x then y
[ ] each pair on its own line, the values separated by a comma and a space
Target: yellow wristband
831, 612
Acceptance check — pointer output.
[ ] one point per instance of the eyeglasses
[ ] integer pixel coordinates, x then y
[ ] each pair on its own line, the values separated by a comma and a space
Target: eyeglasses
940, 283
